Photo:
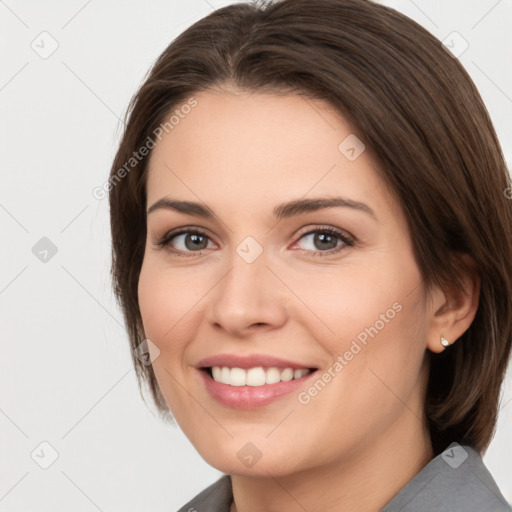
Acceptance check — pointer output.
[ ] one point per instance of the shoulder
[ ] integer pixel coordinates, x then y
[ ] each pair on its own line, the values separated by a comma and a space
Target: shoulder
455, 480
217, 497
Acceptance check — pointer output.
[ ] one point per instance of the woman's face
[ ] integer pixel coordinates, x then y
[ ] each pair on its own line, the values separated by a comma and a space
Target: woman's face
264, 280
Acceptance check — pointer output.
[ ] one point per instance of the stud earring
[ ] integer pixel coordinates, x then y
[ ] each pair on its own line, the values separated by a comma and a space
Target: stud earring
445, 342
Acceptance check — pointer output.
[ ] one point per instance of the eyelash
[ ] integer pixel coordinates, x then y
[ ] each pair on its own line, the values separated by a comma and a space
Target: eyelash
346, 241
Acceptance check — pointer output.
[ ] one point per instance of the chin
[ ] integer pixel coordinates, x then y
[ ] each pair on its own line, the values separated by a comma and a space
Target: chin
248, 460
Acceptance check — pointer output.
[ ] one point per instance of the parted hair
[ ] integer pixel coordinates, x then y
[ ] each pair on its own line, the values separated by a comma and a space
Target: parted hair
422, 116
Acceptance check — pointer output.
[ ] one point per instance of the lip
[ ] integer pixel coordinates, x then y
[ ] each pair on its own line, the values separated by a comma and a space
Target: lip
250, 361
250, 397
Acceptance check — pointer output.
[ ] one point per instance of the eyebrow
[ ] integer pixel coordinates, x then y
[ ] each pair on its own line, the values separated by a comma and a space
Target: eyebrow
285, 210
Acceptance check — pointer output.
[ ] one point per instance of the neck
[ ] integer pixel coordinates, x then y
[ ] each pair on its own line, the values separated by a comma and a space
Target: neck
362, 482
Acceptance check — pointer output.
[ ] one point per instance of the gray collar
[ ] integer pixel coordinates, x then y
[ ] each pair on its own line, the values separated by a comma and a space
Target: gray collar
455, 480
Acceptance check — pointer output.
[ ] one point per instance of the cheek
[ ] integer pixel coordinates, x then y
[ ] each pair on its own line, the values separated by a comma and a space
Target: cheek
390, 333
351, 300
373, 316
167, 301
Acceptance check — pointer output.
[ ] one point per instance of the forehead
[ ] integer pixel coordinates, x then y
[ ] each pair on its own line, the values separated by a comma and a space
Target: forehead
260, 146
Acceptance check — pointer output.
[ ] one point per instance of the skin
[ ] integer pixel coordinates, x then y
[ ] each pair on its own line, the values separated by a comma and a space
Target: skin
242, 155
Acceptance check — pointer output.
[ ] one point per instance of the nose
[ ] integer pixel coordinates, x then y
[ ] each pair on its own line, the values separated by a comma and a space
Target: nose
249, 297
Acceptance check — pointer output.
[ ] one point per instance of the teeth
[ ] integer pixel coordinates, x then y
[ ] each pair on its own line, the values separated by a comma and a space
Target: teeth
297, 374
255, 376
272, 376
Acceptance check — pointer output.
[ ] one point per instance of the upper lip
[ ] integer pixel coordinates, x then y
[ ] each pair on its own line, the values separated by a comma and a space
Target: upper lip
251, 361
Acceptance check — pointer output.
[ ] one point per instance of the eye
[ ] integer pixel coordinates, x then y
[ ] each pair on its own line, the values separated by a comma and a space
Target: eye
185, 241
325, 241
321, 241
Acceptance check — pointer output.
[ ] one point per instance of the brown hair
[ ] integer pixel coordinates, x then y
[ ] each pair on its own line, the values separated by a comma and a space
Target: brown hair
418, 111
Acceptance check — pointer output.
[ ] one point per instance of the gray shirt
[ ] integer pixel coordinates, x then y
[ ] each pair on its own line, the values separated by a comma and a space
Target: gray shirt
454, 481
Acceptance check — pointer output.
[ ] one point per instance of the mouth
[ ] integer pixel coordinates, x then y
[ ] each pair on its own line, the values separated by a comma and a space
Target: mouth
249, 381
253, 387
256, 376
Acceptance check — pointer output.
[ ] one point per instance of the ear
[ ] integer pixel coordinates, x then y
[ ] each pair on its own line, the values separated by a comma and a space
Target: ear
452, 310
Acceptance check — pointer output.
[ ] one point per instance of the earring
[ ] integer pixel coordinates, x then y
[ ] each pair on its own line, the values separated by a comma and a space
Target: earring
445, 342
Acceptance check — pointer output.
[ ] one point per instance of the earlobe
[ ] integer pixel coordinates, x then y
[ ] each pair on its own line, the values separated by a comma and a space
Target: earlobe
454, 308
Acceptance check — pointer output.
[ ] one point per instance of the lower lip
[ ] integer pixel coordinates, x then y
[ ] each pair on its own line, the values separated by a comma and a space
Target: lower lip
250, 397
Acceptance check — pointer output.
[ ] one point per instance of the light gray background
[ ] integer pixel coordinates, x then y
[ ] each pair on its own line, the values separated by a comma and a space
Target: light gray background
66, 375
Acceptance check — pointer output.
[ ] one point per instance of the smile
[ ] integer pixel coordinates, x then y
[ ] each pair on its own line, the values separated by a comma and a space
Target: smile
257, 376
250, 381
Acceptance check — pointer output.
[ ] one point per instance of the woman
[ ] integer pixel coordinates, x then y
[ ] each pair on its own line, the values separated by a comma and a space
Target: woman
312, 247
